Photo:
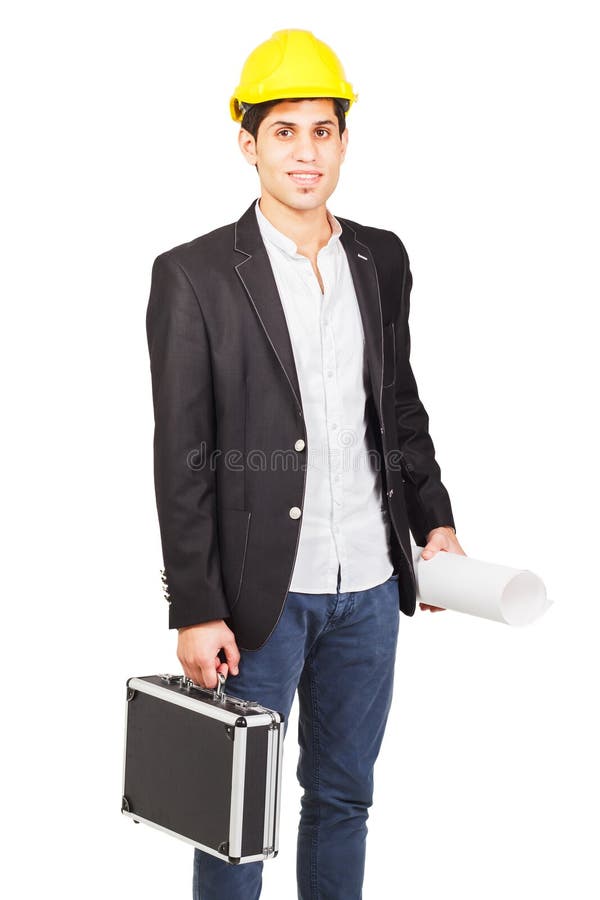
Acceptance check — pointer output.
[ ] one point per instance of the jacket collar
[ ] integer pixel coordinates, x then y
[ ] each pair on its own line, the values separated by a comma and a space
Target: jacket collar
255, 272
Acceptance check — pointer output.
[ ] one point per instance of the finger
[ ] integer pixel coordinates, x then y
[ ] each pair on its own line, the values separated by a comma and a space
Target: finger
429, 551
207, 673
222, 665
197, 675
223, 669
210, 676
232, 654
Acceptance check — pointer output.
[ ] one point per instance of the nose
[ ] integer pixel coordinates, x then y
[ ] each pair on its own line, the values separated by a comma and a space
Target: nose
304, 149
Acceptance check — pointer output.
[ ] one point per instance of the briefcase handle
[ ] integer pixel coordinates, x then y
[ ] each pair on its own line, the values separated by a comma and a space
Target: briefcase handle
187, 683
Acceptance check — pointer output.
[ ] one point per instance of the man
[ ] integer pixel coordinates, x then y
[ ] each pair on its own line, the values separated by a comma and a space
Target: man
292, 455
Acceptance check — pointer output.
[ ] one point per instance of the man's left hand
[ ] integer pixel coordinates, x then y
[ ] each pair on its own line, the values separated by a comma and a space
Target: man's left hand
442, 538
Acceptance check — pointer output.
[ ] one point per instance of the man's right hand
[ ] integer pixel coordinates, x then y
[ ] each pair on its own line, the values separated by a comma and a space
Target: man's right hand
197, 651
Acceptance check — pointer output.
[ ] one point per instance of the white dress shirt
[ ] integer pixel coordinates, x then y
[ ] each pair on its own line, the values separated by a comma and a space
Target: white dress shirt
345, 531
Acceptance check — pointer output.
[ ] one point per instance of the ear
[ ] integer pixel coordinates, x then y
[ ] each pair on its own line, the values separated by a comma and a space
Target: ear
344, 140
247, 145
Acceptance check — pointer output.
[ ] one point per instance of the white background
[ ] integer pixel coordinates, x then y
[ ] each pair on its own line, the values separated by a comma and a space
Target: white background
475, 139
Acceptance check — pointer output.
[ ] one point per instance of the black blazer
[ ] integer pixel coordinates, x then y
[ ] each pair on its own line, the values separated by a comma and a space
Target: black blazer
228, 416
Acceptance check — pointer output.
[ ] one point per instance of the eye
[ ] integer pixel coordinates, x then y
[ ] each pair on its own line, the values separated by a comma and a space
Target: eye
324, 130
282, 130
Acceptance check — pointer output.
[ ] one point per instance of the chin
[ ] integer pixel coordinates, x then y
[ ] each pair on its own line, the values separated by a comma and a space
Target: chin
298, 197
305, 198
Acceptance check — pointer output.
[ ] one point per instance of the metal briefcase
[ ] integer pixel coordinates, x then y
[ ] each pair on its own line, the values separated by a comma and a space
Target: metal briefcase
203, 766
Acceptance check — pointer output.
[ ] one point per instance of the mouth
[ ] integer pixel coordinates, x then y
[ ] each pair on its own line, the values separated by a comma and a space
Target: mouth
305, 178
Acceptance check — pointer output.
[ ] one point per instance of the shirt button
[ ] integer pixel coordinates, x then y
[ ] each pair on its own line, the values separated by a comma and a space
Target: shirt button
295, 512
389, 493
299, 445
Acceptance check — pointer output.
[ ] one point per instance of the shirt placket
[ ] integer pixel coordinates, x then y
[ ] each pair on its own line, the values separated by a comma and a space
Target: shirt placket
333, 406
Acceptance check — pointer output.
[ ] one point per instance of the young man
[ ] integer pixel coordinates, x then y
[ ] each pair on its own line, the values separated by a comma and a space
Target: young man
292, 456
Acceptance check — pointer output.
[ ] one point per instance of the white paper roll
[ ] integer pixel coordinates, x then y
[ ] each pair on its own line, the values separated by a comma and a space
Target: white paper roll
463, 584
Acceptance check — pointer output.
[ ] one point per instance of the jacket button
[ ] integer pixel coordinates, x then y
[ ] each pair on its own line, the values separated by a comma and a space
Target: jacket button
299, 445
382, 430
295, 512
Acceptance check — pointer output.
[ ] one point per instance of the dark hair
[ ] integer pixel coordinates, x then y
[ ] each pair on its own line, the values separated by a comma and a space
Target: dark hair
256, 113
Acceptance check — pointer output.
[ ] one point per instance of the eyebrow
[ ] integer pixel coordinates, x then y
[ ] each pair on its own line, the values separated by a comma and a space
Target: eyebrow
293, 124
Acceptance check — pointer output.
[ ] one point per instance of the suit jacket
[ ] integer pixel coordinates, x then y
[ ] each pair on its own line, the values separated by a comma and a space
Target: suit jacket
230, 443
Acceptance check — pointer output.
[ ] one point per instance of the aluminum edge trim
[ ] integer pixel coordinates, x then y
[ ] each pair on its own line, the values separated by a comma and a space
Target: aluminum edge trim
269, 795
255, 721
238, 776
279, 771
127, 702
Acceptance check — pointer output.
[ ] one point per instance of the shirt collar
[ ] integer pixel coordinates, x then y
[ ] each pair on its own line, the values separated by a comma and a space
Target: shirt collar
284, 242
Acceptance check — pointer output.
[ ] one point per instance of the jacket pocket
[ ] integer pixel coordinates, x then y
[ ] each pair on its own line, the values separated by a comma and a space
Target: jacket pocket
234, 531
389, 355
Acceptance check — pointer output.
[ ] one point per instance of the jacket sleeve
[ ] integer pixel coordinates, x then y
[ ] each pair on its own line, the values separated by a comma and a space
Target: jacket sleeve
427, 500
184, 441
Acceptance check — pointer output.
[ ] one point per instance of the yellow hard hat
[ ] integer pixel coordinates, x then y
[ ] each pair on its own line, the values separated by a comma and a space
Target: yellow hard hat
292, 63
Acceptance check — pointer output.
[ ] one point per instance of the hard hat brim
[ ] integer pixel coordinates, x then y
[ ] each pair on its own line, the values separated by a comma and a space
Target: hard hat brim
238, 106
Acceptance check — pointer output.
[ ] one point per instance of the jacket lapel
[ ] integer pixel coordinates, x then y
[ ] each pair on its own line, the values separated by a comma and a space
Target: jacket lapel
366, 285
256, 275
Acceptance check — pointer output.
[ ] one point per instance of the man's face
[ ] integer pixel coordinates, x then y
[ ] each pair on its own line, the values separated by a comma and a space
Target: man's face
296, 138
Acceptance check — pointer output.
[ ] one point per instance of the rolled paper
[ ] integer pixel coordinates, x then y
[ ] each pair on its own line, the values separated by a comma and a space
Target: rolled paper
478, 588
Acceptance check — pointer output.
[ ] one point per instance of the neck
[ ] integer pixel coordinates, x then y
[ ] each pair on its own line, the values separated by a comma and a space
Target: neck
308, 228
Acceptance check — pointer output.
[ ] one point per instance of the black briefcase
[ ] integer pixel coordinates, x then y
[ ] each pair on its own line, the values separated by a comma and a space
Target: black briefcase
203, 766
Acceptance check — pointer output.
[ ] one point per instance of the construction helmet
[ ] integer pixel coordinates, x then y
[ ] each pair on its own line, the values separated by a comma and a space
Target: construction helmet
292, 63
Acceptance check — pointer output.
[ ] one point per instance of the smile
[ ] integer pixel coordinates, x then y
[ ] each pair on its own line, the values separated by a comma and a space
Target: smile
305, 179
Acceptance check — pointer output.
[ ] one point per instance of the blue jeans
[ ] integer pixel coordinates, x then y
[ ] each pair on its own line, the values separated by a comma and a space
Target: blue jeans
339, 651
